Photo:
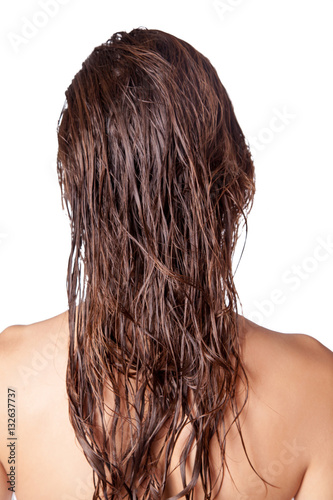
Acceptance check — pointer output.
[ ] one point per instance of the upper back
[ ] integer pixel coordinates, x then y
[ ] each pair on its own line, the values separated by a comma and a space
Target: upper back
287, 388
49, 462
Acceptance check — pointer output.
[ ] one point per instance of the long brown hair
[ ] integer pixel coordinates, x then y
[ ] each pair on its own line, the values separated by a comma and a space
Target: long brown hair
156, 176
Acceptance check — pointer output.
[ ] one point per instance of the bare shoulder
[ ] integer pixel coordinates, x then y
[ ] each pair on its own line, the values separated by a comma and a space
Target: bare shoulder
25, 347
291, 361
293, 354
33, 362
294, 372
31, 357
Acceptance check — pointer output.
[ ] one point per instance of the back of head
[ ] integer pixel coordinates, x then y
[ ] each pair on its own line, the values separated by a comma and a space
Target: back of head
156, 176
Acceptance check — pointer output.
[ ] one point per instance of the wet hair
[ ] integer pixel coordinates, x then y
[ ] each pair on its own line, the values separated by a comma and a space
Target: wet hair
156, 176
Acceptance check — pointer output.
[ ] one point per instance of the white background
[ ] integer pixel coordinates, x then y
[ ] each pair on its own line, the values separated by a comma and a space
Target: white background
274, 58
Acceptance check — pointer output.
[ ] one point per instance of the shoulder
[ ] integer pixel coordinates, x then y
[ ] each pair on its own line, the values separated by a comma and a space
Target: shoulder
286, 354
25, 350
32, 358
315, 384
13, 348
294, 372
292, 362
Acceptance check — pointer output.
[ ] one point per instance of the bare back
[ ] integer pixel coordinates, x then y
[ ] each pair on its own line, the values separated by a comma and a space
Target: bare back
283, 370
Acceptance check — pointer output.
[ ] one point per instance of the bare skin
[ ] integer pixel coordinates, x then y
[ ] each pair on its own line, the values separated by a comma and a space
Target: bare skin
287, 423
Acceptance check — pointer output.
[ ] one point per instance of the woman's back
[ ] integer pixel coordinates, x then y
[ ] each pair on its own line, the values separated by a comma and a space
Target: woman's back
290, 377
157, 176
